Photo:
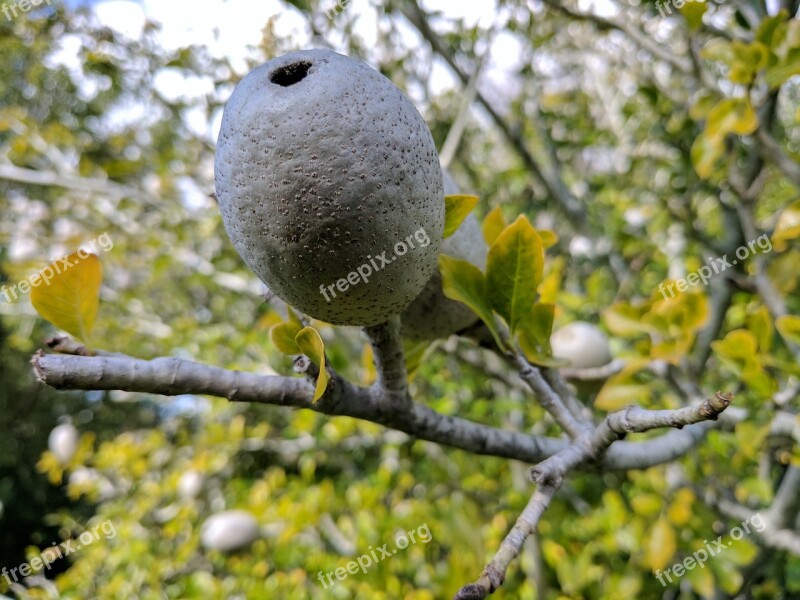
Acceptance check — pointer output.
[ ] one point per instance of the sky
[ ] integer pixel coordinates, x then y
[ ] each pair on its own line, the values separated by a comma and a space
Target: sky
230, 28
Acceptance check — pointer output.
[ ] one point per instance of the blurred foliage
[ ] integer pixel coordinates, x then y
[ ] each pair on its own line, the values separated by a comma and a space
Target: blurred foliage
647, 151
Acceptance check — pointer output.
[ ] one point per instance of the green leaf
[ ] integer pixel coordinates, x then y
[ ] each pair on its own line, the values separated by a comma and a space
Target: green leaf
67, 293
513, 271
456, 209
729, 577
748, 59
767, 27
534, 337
777, 74
535, 356
540, 323
465, 283
310, 343
283, 334
493, 225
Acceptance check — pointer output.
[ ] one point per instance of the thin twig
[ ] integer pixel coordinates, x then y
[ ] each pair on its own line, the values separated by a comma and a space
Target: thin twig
550, 473
494, 573
548, 398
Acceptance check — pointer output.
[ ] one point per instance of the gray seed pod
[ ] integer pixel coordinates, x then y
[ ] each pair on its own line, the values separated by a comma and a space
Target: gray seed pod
583, 344
322, 165
433, 315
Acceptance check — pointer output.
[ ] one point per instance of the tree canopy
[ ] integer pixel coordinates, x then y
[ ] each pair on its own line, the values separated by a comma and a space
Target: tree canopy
636, 166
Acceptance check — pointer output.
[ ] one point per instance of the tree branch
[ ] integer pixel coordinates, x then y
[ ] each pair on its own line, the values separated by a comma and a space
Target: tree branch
639, 38
552, 183
786, 503
549, 400
777, 534
593, 374
390, 362
495, 572
549, 475
617, 425
17, 174
173, 376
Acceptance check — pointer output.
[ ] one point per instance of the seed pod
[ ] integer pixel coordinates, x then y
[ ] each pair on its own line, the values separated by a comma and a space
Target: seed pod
433, 315
63, 442
329, 184
229, 530
582, 344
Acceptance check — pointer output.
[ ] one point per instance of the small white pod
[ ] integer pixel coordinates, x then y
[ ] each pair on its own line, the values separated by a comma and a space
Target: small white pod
229, 530
582, 344
63, 442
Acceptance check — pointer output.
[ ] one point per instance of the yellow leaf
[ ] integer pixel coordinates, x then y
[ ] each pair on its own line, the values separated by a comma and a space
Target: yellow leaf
493, 225
625, 320
647, 505
549, 238
706, 151
680, 511
616, 396
693, 13
368, 373
789, 328
283, 334
310, 343
702, 581
661, 544
551, 283
702, 106
464, 282
67, 293
731, 115
456, 209
787, 228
